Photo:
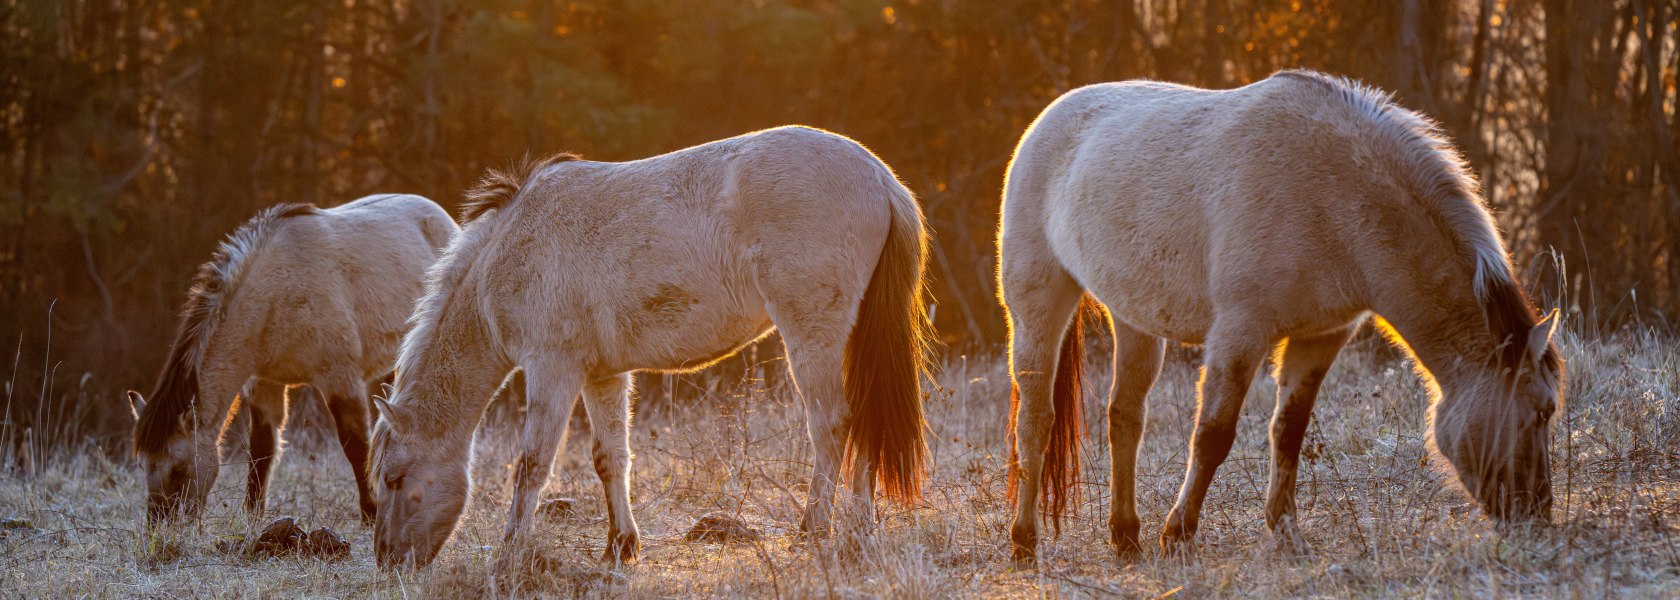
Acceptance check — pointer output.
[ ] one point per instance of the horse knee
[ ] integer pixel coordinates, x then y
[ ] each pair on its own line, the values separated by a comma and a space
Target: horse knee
609, 462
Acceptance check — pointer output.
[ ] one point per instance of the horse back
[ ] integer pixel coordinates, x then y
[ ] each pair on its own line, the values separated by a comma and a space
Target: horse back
670, 262
336, 287
1175, 204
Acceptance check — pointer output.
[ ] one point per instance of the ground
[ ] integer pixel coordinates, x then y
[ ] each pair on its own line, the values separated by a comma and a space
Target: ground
1379, 517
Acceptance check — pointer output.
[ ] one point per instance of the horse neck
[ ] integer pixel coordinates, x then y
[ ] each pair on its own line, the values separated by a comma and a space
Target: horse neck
452, 376
1444, 326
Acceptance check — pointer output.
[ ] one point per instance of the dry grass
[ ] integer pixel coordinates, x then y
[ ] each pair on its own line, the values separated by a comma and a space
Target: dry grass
1379, 519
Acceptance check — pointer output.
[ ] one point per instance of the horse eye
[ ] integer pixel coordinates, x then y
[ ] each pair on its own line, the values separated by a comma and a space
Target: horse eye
394, 482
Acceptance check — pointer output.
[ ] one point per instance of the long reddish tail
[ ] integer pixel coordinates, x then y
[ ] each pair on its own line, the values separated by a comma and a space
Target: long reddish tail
886, 357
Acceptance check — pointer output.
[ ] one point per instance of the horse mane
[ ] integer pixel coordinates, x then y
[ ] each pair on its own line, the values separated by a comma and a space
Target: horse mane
1438, 175
498, 187
207, 299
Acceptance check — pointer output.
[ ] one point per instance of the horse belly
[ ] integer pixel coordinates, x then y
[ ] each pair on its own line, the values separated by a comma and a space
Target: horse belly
1148, 267
682, 349
692, 321
1150, 301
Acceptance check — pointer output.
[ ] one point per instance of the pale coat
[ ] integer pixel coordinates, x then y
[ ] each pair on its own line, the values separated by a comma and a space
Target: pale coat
296, 295
1285, 210
582, 272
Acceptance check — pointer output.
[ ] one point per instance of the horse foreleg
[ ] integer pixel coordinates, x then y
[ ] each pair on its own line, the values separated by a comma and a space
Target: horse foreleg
1305, 361
549, 396
608, 404
1137, 362
1232, 355
1039, 320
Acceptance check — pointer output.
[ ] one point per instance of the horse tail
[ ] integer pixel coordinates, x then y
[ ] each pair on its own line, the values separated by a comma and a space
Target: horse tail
1061, 457
887, 355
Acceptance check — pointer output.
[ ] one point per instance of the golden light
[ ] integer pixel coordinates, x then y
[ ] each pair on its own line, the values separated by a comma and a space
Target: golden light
888, 15
338, 82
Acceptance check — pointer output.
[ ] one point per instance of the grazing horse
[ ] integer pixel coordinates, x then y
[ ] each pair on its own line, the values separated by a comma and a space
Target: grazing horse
582, 272
1274, 216
296, 295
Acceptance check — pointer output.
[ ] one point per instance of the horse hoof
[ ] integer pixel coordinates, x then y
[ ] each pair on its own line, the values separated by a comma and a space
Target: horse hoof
1128, 551
1175, 542
1176, 549
808, 535
1024, 559
1125, 540
1287, 540
1024, 540
622, 549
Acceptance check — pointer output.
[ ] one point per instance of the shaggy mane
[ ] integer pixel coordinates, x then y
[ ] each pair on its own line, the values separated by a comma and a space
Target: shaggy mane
498, 187
1437, 174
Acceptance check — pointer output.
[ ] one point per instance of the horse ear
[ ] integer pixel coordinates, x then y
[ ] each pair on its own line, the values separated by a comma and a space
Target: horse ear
136, 403
1540, 336
386, 412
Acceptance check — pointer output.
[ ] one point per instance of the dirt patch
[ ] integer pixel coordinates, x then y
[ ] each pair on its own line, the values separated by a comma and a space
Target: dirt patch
284, 537
723, 529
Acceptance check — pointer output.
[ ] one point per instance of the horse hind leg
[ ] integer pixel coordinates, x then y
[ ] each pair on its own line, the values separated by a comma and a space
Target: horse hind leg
1137, 363
816, 368
1233, 352
608, 404
1040, 299
814, 304
1306, 359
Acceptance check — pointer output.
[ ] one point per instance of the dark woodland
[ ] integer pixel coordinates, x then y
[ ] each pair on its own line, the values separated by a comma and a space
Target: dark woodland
134, 134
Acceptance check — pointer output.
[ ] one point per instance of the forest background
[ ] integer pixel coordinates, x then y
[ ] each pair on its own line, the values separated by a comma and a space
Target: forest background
134, 134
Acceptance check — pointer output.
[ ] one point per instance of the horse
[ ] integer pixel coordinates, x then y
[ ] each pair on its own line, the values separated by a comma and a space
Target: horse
296, 295
1270, 219
581, 273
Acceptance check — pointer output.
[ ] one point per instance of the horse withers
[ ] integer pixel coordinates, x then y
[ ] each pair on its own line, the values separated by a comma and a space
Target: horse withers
1276, 214
296, 295
582, 272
